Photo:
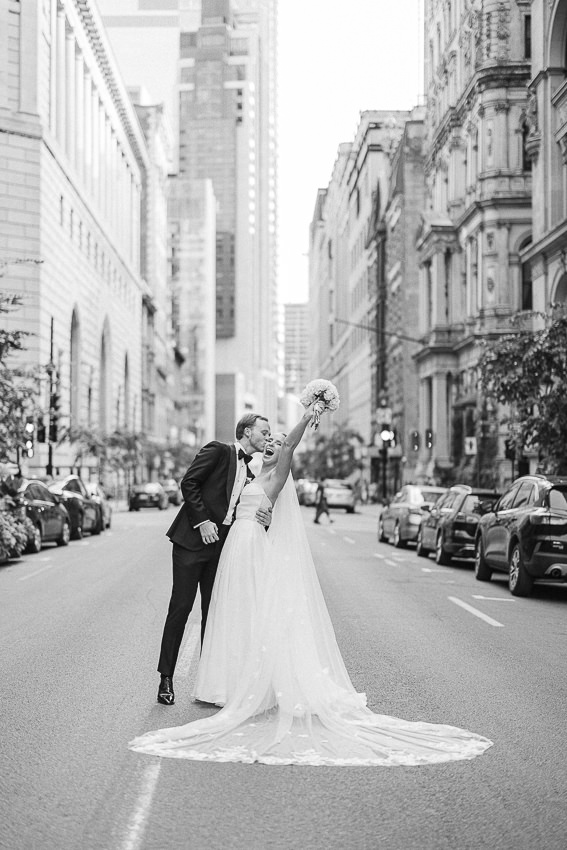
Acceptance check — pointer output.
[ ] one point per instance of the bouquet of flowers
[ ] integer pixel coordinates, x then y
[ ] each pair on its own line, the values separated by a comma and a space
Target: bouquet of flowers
324, 395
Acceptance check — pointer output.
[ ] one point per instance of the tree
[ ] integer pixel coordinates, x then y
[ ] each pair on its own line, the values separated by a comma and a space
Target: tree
18, 387
527, 370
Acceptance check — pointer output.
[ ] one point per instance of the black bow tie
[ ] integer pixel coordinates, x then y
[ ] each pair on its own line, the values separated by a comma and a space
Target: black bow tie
243, 456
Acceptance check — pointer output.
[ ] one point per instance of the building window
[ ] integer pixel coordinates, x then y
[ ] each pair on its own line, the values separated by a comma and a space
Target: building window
527, 36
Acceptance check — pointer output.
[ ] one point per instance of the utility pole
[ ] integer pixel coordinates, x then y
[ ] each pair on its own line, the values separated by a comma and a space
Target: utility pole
50, 372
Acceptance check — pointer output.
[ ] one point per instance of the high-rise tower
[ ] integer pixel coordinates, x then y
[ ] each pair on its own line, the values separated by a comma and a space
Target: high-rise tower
227, 125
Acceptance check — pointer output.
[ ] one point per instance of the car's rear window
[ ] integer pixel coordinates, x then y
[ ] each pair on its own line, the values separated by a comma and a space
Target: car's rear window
429, 496
558, 498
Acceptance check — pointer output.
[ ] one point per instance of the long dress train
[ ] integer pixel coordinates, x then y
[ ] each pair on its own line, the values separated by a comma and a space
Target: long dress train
294, 702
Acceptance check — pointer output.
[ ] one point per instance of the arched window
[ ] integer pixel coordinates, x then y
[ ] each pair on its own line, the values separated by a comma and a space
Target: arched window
126, 394
526, 272
104, 388
75, 371
560, 294
526, 160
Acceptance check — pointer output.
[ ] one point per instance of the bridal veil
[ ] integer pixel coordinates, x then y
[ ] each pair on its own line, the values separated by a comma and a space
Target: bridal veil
295, 703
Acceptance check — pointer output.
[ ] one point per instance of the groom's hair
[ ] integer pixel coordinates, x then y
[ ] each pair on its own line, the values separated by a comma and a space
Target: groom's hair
247, 421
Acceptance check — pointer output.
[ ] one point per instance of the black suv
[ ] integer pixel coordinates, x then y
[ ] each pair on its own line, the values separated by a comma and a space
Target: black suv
525, 534
449, 526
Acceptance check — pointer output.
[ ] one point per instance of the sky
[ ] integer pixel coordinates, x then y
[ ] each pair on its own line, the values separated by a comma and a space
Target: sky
336, 59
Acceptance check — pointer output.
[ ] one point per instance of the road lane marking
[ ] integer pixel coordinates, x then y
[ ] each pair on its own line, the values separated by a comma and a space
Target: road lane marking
138, 819
378, 555
476, 612
494, 598
431, 570
349, 540
390, 562
188, 652
36, 573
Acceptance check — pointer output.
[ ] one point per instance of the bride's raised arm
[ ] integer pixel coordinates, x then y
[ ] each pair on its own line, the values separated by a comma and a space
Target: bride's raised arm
288, 446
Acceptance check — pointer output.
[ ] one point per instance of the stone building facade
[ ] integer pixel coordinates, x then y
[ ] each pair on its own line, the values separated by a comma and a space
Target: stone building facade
476, 224
71, 164
396, 304
546, 116
192, 238
340, 276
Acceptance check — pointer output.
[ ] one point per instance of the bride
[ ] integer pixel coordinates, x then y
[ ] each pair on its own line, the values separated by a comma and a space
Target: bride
271, 660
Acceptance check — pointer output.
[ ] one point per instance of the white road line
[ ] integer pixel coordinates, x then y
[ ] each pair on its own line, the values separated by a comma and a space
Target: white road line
431, 570
390, 562
494, 598
349, 540
476, 612
378, 555
188, 652
36, 573
137, 824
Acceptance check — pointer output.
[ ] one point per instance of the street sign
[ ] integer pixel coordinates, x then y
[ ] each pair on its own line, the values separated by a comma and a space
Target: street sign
470, 445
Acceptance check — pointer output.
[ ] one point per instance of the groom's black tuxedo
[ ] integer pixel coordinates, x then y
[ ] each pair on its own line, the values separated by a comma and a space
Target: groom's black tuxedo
206, 487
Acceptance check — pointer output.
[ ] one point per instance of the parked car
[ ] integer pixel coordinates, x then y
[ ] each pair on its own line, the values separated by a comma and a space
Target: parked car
173, 491
399, 520
48, 518
306, 490
148, 495
449, 526
82, 508
525, 534
103, 501
339, 494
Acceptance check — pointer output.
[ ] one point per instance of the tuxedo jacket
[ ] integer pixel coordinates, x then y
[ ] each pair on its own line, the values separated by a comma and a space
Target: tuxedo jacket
206, 488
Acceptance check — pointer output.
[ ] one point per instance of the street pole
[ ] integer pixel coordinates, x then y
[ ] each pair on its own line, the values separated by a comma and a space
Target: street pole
51, 367
384, 476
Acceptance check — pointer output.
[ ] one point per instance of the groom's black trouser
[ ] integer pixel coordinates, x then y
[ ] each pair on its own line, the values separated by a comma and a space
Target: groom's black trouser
191, 570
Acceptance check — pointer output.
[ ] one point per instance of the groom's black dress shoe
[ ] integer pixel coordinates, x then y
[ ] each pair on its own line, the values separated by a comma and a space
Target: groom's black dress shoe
165, 691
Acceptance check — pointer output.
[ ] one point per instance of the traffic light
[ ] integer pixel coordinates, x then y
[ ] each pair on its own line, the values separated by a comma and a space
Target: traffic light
415, 441
387, 435
29, 431
41, 432
54, 405
428, 438
509, 450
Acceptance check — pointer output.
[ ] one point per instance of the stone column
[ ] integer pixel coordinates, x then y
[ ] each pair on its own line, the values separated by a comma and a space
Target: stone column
88, 129
79, 114
440, 417
60, 86
70, 117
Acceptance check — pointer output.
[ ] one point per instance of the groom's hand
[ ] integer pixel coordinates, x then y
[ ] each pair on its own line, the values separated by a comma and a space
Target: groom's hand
209, 532
264, 516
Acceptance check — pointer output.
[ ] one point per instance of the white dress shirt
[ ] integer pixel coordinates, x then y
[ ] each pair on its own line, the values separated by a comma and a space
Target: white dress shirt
239, 482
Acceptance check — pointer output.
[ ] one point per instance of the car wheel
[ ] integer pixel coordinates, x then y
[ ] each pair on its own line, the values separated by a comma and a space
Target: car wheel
420, 550
97, 527
78, 531
442, 557
519, 581
381, 535
34, 545
350, 510
65, 535
398, 540
482, 571
108, 524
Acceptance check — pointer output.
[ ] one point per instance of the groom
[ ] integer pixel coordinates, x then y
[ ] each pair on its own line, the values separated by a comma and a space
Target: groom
211, 488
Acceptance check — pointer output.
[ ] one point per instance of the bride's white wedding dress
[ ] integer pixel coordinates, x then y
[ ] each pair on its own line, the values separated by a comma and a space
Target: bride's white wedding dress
287, 696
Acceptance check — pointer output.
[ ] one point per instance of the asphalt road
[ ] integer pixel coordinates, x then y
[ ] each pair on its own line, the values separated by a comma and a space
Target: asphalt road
80, 630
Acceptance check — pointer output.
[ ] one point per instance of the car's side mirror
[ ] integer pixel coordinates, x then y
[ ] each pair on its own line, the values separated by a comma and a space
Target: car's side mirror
485, 507
426, 508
